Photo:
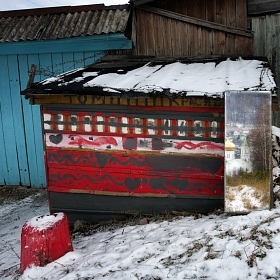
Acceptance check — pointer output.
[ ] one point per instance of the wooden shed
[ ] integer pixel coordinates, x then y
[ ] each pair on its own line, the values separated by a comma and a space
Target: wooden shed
140, 136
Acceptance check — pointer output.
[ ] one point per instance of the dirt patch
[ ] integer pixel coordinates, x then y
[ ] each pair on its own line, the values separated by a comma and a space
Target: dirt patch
12, 193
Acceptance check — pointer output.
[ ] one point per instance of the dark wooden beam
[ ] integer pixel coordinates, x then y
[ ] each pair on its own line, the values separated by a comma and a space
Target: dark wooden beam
199, 22
261, 7
140, 2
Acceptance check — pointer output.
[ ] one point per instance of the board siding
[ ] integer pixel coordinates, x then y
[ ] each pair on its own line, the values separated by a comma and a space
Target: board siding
145, 174
156, 39
96, 208
12, 175
129, 153
18, 121
266, 43
21, 152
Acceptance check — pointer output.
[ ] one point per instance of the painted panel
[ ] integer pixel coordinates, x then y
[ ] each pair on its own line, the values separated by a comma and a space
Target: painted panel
187, 126
247, 151
96, 208
3, 167
153, 174
17, 116
12, 176
128, 153
108, 143
32, 126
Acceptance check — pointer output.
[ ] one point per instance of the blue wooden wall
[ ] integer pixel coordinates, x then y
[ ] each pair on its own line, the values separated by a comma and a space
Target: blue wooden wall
21, 142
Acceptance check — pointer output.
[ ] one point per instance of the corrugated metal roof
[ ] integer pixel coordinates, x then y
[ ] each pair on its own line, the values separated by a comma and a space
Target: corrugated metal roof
62, 22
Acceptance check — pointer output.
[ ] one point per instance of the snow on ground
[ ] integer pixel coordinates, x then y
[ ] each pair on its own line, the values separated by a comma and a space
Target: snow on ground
13, 214
214, 246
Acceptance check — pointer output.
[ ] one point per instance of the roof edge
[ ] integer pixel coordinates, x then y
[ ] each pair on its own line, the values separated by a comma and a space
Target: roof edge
59, 10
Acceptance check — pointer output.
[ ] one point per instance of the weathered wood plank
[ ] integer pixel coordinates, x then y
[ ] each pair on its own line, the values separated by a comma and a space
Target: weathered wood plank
212, 25
149, 26
141, 2
241, 14
211, 11
231, 13
259, 7
157, 101
158, 25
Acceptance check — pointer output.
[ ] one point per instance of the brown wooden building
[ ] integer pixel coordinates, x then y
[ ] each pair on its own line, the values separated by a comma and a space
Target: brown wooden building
186, 28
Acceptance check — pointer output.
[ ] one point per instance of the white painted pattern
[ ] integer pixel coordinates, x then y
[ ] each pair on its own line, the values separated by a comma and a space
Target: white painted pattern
74, 126
47, 118
124, 128
87, 123
60, 118
100, 127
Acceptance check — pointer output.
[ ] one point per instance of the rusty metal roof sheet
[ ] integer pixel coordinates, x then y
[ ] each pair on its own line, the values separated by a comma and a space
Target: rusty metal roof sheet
62, 22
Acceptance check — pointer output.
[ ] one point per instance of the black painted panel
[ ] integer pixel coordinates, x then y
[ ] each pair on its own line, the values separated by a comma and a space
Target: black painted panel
97, 208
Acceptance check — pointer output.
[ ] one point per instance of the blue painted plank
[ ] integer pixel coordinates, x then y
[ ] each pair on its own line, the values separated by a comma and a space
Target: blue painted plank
13, 176
79, 59
44, 61
17, 115
98, 55
3, 173
89, 43
68, 62
93, 56
32, 124
45, 69
57, 62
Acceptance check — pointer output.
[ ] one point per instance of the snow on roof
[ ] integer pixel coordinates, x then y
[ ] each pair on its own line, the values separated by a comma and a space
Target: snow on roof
276, 131
193, 79
177, 78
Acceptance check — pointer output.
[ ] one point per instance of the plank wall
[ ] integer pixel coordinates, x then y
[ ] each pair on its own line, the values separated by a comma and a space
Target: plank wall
21, 149
160, 36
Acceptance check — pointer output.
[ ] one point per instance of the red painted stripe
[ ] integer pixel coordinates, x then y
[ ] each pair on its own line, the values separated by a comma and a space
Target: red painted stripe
130, 122
178, 109
207, 125
67, 179
159, 123
54, 125
190, 126
221, 134
119, 128
174, 125
179, 164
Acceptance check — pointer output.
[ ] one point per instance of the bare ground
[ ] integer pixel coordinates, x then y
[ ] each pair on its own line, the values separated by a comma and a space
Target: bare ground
12, 193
